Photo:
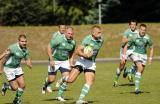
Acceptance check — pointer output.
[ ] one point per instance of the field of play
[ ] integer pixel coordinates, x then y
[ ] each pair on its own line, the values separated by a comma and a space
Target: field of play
102, 91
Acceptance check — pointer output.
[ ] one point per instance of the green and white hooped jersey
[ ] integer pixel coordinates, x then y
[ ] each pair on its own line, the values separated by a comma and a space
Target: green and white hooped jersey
17, 54
140, 43
62, 48
129, 34
96, 44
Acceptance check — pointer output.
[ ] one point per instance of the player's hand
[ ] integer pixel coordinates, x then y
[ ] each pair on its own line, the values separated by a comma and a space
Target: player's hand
6, 52
29, 63
150, 60
52, 64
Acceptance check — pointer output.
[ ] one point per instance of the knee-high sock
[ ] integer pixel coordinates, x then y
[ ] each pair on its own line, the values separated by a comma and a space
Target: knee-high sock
84, 91
62, 88
137, 80
46, 83
19, 93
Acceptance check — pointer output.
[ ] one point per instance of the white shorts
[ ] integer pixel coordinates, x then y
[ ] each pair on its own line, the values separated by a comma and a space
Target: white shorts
12, 73
128, 54
86, 64
63, 66
139, 57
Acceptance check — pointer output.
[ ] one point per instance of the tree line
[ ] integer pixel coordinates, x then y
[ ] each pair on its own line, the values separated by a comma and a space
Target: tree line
53, 12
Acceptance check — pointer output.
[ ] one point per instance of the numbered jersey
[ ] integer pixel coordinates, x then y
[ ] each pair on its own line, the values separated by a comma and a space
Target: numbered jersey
129, 35
140, 43
16, 55
96, 44
62, 48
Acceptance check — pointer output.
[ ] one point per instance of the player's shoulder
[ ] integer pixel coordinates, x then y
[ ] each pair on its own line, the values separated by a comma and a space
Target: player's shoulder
147, 36
14, 45
89, 36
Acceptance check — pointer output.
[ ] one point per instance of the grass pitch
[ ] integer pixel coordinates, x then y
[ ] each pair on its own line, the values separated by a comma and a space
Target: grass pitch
102, 91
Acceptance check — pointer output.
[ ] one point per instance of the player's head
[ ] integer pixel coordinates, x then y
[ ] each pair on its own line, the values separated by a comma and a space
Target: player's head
69, 33
62, 29
142, 29
133, 25
22, 40
96, 32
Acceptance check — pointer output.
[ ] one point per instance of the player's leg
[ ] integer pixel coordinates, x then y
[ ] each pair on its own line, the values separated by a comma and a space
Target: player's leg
118, 72
68, 79
90, 77
119, 69
10, 75
138, 75
20, 89
65, 72
50, 79
131, 72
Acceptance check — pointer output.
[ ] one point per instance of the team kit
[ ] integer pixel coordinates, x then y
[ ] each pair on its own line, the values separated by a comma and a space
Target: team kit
62, 50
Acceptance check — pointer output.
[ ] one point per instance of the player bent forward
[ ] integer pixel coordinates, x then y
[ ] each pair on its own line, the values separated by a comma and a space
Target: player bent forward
12, 69
140, 53
60, 52
86, 63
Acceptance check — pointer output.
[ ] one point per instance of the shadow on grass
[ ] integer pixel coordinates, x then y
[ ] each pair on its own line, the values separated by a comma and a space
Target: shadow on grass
89, 102
57, 90
22, 102
56, 99
141, 92
127, 84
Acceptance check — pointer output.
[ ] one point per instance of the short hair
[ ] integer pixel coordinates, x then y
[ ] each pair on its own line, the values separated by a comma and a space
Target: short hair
143, 25
61, 25
96, 26
133, 21
22, 36
69, 27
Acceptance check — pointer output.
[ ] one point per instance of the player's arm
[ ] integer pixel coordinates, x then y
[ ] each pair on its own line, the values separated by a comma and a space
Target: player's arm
151, 54
151, 50
72, 56
5, 53
71, 59
29, 62
49, 52
80, 52
124, 40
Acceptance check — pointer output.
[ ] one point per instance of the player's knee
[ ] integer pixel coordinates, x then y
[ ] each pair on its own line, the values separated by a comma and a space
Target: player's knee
70, 80
23, 86
14, 88
51, 80
90, 83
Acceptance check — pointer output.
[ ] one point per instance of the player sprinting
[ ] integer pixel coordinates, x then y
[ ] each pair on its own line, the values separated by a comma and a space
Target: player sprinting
12, 69
128, 34
61, 31
139, 56
86, 63
60, 52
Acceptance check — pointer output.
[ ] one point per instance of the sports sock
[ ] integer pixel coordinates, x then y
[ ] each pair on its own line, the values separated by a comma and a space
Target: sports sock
84, 91
117, 74
46, 83
62, 88
7, 86
137, 80
19, 93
